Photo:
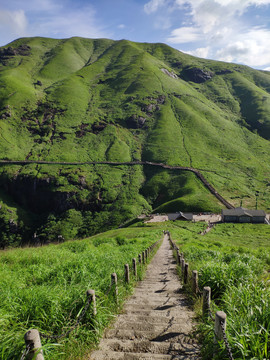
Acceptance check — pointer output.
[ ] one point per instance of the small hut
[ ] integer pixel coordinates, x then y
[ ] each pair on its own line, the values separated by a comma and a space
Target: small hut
241, 215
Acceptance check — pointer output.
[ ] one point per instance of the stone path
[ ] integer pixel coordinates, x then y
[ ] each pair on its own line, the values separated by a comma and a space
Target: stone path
156, 322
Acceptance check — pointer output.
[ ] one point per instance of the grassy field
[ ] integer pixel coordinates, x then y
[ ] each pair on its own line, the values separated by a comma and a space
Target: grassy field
234, 260
45, 288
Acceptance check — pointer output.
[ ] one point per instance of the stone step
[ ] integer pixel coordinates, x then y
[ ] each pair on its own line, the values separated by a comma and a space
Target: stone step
154, 302
159, 309
159, 288
146, 346
153, 288
150, 317
149, 332
114, 355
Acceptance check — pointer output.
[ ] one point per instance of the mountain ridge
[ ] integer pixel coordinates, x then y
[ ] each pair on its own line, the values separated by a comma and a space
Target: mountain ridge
94, 100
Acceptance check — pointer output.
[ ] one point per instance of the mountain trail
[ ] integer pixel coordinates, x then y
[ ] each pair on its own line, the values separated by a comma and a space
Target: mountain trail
156, 322
129, 163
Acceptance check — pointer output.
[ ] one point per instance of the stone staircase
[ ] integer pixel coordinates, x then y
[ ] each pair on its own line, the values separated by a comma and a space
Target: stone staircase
156, 322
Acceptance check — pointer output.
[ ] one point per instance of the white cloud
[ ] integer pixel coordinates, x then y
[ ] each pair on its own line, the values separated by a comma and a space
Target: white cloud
185, 35
249, 48
200, 52
48, 18
13, 23
66, 23
219, 30
153, 5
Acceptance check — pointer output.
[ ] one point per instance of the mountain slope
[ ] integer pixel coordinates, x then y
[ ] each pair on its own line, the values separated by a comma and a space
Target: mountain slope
102, 100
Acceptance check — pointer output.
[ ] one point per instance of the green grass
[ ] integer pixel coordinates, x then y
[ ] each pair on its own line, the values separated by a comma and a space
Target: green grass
80, 111
234, 260
45, 288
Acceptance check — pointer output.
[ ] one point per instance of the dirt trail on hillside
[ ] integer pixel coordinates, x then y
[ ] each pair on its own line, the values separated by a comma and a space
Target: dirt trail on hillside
197, 172
156, 322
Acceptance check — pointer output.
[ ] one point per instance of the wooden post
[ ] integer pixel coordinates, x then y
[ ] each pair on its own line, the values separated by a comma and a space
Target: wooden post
206, 300
32, 340
114, 283
127, 273
178, 257
91, 293
195, 286
183, 265
146, 255
143, 257
186, 273
134, 267
220, 318
140, 259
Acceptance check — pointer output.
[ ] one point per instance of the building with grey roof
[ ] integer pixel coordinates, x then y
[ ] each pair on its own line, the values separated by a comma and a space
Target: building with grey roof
241, 215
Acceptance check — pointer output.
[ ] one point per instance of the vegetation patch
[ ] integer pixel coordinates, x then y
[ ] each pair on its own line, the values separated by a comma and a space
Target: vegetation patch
85, 100
45, 288
232, 259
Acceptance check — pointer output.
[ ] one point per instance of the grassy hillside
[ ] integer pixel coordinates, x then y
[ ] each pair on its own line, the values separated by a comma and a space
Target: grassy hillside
95, 100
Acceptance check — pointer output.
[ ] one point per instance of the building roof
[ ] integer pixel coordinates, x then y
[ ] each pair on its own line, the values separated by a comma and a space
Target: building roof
173, 216
243, 212
180, 215
187, 216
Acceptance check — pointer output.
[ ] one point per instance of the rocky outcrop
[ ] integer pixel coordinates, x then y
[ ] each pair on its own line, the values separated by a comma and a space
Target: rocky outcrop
135, 122
37, 194
10, 52
169, 73
7, 113
197, 75
224, 72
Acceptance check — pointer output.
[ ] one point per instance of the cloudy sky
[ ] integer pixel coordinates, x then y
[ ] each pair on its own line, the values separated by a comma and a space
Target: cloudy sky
229, 30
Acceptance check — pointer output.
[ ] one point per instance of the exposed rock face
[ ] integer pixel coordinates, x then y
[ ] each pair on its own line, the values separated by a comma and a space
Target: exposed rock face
7, 114
171, 74
135, 122
197, 75
224, 72
161, 99
36, 194
178, 64
7, 53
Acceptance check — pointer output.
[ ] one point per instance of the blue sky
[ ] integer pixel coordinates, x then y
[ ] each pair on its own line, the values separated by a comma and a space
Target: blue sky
229, 30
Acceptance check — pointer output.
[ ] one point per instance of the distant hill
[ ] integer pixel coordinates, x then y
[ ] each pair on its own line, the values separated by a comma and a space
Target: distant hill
81, 100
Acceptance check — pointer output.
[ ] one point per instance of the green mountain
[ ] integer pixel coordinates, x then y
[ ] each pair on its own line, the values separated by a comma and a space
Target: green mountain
83, 100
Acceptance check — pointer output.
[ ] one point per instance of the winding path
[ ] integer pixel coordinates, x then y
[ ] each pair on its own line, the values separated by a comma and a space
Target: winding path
197, 172
156, 322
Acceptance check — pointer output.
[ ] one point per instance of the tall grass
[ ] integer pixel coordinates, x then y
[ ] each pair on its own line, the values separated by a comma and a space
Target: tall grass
238, 277
45, 288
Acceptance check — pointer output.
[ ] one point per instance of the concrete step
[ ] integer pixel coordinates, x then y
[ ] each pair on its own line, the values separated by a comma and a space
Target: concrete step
150, 332
150, 317
155, 302
146, 346
115, 355
160, 309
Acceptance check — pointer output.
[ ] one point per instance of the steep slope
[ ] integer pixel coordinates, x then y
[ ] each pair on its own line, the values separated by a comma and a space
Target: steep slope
102, 100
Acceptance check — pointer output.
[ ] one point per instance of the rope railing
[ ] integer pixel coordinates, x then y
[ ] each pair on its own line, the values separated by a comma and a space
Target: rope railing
220, 317
33, 347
